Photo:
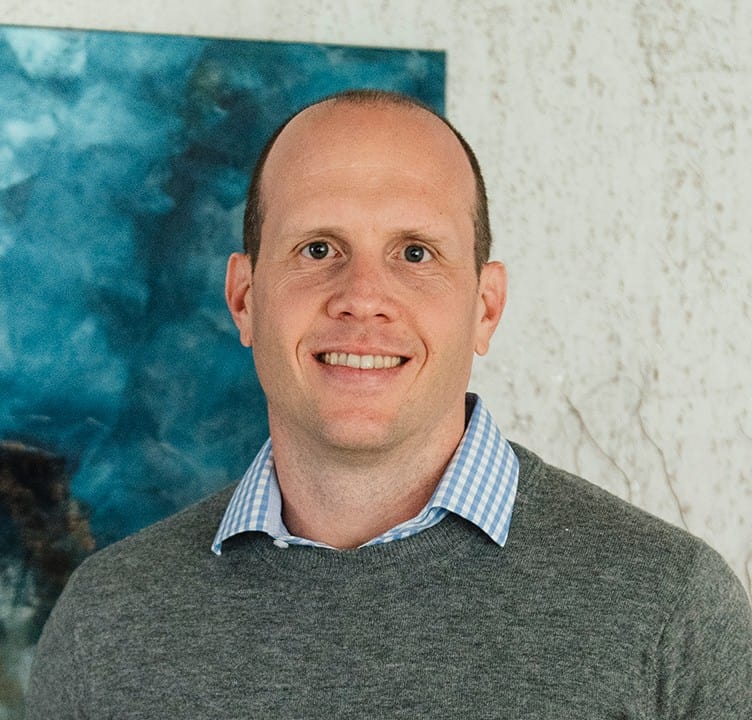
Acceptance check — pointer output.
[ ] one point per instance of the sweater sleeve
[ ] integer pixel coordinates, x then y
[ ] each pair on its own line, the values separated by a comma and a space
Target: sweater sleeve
56, 682
704, 658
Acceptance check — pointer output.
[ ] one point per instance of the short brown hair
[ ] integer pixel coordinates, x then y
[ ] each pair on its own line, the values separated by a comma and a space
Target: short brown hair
254, 209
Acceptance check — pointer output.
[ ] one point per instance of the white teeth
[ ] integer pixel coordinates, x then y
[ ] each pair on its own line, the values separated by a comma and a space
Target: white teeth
361, 362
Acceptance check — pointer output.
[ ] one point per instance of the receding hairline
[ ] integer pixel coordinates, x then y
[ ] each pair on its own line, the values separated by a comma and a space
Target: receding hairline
368, 97
254, 213
376, 99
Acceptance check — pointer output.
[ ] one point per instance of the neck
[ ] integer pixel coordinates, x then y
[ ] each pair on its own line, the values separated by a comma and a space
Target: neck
346, 498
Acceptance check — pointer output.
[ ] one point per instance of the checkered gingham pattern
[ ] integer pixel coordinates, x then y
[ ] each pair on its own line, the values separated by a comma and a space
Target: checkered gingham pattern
479, 485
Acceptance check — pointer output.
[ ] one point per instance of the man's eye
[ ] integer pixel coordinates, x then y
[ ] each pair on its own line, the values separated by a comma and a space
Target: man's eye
417, 254
316, 250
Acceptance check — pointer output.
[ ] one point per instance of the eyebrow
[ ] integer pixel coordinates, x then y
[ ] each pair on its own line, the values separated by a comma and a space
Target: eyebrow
322, 232
338, 233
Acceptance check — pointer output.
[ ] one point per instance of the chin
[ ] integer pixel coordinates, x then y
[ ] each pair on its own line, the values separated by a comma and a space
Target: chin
357, 435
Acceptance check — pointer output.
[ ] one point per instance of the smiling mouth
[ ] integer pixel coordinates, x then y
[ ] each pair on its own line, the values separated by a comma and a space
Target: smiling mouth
361, 362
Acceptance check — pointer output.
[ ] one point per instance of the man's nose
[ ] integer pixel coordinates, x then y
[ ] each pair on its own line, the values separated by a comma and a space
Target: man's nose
363, 290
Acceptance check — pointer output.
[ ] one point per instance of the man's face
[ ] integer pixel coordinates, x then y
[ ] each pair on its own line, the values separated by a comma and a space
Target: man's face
365, 308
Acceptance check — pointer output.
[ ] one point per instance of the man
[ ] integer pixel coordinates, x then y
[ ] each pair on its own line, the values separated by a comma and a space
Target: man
388, 553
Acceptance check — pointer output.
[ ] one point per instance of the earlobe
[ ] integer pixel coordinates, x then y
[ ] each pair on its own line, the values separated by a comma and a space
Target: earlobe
238, 283
492, 296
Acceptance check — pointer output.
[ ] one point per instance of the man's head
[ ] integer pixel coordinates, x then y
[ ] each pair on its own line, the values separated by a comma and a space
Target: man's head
366, 302
254, 210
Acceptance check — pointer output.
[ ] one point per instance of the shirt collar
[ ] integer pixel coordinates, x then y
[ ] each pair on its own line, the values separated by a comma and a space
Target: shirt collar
479, 484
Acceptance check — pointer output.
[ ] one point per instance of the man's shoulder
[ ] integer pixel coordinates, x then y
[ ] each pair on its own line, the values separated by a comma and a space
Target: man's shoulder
583, 528
631, 588
171, 545
573, 502
192, 527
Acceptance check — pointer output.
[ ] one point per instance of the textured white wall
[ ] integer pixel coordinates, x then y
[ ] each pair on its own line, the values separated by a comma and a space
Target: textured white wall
616, 137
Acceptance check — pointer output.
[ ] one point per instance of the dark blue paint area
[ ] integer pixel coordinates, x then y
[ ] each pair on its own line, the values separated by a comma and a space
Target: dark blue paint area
124, 162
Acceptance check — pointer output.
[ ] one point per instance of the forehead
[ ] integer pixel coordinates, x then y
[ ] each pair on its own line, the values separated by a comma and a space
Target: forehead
363, 141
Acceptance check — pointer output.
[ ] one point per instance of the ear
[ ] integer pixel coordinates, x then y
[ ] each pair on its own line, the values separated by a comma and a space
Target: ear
492, 296
238, 284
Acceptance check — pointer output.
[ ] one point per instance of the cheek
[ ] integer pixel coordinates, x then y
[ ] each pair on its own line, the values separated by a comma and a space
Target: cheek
281, 323
448, 329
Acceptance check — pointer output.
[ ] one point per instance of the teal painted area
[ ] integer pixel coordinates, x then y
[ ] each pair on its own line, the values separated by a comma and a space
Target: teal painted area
124, 161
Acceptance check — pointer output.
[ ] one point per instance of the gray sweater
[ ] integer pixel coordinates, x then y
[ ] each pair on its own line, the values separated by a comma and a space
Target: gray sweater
593, 609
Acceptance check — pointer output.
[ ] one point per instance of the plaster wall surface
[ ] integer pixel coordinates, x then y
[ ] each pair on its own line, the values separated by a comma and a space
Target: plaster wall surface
616, 140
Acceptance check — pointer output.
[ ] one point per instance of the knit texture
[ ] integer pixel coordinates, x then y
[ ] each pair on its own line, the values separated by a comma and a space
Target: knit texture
593, 609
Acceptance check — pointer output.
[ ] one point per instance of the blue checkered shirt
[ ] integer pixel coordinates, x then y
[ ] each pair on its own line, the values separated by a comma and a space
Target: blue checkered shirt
479, 484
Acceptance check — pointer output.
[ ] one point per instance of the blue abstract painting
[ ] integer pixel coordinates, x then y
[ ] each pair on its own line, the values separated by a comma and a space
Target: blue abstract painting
124, 392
